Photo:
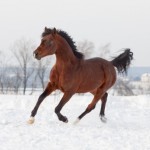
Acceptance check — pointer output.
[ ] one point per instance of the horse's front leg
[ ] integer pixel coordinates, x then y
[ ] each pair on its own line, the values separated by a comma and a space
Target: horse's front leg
49, 89
66, 97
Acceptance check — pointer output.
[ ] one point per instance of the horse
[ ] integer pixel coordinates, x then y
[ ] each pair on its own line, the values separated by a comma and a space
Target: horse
73, 74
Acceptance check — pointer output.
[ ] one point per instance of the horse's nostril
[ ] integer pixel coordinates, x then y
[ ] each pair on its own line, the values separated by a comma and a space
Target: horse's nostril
35, 54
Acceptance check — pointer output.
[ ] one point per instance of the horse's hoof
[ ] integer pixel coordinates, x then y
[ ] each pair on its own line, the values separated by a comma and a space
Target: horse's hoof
76, 121
103, 119
31, 120
65, 119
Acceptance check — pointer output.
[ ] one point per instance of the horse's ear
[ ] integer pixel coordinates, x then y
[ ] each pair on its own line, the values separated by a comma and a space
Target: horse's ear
54, 31
45, 28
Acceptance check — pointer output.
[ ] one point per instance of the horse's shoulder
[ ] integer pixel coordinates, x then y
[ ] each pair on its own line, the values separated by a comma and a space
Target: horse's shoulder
53, 74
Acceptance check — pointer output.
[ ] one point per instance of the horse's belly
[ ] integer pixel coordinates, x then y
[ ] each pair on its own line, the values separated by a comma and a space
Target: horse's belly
89, 86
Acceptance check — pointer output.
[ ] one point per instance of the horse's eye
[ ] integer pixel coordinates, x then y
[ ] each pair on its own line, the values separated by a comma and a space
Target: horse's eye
49, 43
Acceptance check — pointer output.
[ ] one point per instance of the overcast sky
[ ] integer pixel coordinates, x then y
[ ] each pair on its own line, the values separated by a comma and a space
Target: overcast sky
123, 23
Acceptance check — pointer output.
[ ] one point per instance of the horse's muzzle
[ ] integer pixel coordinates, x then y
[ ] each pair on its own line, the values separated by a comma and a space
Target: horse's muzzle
35, 55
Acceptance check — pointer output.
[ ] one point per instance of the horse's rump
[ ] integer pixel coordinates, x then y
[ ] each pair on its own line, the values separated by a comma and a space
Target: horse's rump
94, 73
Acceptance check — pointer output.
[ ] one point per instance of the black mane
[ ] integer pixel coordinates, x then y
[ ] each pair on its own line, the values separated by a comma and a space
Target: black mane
68, 39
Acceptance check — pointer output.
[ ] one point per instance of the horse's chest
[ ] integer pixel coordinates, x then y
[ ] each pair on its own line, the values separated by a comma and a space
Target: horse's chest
54, 77
63, 79
65, 82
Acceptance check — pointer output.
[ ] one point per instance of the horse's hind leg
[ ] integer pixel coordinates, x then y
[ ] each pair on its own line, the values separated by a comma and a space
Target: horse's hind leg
92, 105
49, 89
103, 104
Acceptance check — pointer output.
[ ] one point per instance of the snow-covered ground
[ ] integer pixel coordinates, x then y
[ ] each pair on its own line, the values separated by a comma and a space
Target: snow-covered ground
127, 127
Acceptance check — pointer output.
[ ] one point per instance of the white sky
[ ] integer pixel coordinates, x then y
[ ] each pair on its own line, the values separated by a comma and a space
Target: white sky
123, 23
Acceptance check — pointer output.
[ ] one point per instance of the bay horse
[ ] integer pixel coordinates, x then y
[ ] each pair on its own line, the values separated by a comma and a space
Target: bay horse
73, 74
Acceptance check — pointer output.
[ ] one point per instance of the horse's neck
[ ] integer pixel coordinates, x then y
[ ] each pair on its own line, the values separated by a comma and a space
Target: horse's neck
64, 61
65, 56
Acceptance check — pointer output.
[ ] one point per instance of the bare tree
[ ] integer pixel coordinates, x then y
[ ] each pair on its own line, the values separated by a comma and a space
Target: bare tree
122, 87
5, 81
34, 83
41, 70
2, 80
86, 47
104, 51
23, 52
1, 72
16, 79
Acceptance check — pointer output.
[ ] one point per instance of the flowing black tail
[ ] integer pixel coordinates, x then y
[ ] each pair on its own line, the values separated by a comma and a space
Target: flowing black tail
123, 61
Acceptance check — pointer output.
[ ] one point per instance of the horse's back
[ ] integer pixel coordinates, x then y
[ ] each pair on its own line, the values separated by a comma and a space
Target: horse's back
100, 64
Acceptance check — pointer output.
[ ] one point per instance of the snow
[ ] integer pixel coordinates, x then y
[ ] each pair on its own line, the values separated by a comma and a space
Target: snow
127, 127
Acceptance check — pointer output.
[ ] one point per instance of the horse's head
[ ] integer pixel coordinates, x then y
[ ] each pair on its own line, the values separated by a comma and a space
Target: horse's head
48, 44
